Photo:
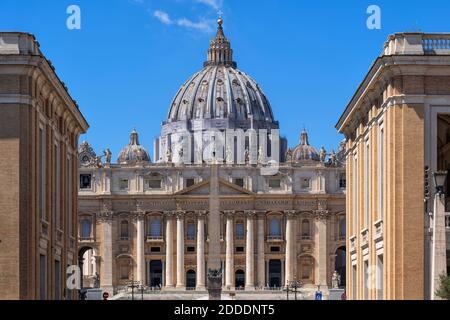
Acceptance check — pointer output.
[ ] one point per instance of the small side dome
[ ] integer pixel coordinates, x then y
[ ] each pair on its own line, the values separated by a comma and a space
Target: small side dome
304, 151
133, 152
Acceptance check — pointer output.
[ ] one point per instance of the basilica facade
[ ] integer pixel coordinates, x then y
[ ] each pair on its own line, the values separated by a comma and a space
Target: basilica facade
282, 210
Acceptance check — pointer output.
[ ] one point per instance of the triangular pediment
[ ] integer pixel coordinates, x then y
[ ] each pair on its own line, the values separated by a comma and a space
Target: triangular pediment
225, 188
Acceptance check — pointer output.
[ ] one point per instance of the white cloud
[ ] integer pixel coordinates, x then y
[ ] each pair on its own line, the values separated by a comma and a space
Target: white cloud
215, 4
163, 17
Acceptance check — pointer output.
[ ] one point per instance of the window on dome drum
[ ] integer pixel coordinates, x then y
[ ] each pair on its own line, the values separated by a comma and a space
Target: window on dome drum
305, 183
275, 228
240, 230
342, 181
124, 184
85, 181
124, 230
274, 183
190, 231
155, 229
239, 182
153, 184
190, 182
85, 230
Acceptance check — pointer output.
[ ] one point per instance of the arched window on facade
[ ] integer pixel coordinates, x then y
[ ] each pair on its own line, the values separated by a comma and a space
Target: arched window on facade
124, 230
306, 229
275, 227
86, 227
155, 227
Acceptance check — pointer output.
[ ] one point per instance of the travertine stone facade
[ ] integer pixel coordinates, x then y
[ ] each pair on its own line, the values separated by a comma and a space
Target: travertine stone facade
39, 129
391, 129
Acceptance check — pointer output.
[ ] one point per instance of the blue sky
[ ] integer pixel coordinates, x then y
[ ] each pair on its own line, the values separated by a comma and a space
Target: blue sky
128, 60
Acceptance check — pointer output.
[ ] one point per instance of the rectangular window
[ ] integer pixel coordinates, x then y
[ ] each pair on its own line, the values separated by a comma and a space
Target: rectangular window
42, 174
124, 184
190, 182
85, 181
366, 185
342, 181
239, 182
380, 282
191, 231
190, 249
274, 249
153, 184
275, 183
366, 280
354, 284
239, 249
42, 277
57, 280
155, 249
240, 230
381, 173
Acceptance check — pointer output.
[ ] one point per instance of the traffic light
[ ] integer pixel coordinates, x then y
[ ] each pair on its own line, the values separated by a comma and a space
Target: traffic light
427, 183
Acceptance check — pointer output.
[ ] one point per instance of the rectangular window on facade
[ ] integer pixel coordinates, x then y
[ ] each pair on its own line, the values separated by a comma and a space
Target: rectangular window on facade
155, 249
190, 231
275, 249
85, 181
354, 284
42, 277
366, 280
124, 184
239, 182
153, 184
240, 230
57, 280
190, 182
380, 272
239, 249
274, 183
342, 181
190, 249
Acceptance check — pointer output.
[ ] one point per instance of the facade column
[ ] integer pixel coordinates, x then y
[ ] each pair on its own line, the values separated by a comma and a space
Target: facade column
290, 246
169, 251
180, 251
261, 241
250, 253
229, 253
140, 261
106, 273
321, 247
200, 251
439, 251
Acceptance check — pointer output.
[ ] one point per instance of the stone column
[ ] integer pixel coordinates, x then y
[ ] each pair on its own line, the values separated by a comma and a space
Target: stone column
229, 253
169, 251
180, 252
261, 275
106, 272
140, 245
321, 247
250, 253
290, 246
201, 251
439, 251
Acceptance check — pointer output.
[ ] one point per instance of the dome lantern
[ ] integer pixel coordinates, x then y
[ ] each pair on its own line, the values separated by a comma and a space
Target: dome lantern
220, 52
133, 152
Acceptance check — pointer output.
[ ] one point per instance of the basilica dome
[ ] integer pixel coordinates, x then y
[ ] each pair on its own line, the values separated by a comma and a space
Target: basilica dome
220, 91
133, 152
304, 151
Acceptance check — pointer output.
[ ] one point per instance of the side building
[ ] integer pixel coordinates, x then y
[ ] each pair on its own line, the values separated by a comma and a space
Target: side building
397, 129
39, 129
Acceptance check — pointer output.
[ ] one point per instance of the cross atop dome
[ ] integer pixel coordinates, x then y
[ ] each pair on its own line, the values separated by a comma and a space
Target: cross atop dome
220, 52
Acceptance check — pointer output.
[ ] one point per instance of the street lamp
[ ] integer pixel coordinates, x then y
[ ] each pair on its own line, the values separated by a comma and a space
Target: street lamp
439, 178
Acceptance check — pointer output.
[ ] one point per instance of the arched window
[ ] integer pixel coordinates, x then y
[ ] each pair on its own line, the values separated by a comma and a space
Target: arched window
124, 229
155, 228
275, 227
342, 228
85, 229
306, 229
190, 231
